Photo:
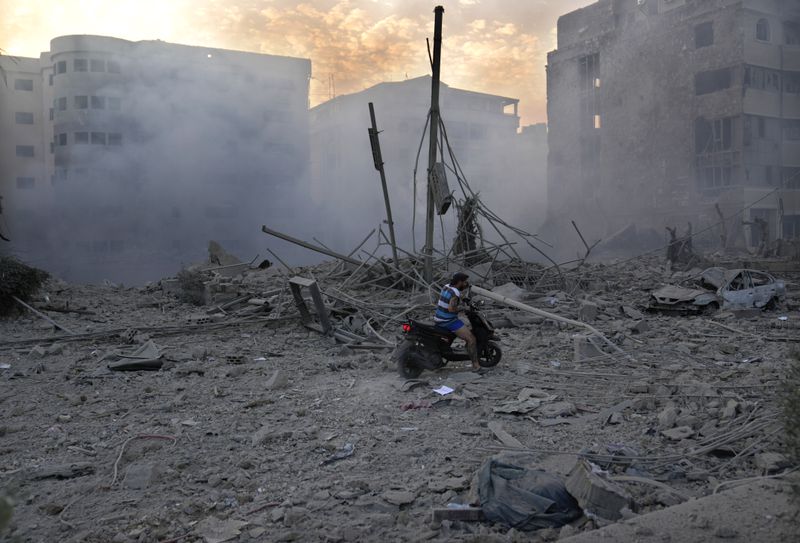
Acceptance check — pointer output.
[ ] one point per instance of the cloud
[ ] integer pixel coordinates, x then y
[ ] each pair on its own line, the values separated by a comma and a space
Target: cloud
496, 46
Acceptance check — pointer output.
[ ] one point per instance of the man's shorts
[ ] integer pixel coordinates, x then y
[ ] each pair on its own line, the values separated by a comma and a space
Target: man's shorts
451, 326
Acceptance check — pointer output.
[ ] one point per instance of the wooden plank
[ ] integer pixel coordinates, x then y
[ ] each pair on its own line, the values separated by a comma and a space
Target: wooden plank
505, 438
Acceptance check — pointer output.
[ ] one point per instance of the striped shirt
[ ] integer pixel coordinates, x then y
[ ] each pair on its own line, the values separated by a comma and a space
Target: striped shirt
443, 314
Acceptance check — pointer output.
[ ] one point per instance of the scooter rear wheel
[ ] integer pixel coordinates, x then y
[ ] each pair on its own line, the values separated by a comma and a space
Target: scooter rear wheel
405, 361
491, 355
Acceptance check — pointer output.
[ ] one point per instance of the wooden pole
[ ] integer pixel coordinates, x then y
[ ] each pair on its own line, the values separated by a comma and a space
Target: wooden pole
433, 146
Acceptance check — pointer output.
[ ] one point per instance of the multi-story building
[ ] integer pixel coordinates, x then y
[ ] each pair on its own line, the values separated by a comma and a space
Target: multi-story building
139, 153
660, 109
482, 129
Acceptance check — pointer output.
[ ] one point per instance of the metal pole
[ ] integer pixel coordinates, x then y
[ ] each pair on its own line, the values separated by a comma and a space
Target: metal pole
433, 139
378, 158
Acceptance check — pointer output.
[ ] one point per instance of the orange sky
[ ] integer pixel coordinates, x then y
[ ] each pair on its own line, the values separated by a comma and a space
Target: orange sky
495, 46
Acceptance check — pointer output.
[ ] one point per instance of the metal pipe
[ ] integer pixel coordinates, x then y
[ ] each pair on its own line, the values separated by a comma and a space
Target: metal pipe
377, 157
309, 246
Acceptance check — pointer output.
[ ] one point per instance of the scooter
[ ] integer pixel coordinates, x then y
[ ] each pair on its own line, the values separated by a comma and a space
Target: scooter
428, 347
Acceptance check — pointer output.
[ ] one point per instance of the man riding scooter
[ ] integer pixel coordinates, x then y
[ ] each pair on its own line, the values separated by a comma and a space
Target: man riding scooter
446, 316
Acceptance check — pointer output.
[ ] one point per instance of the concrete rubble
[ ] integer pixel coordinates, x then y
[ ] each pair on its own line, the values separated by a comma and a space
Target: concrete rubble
266, 415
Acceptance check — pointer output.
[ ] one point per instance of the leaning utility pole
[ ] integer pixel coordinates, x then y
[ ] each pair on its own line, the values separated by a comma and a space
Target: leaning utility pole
433, 148
377, 157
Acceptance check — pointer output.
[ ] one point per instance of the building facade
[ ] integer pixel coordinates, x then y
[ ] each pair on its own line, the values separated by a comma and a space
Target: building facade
144, 151
661, 109
483, 130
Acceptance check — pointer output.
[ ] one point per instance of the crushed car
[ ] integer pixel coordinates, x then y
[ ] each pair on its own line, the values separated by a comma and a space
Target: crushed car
720, 288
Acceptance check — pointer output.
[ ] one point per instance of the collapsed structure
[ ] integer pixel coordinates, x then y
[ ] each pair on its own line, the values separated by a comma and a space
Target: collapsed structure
660, 110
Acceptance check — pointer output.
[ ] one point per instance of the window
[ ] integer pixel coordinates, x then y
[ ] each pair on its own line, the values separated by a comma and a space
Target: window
713, 136
762, 30
98, 65
81, 102
25, 183
113, 67
756, 77
712, 81
62, 139
790, 177
791, 33
61, 67
81, 137
52, 113
589, 67
25, 151
791, 82
791, 130
598, 123
23, 117
50, 79
98, 138
80, 65
98, 102
113, 103
62, 103
762, 127
114, 138
703, 35
23, 84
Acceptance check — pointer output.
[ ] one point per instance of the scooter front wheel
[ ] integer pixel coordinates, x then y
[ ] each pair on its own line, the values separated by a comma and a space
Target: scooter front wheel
491, 355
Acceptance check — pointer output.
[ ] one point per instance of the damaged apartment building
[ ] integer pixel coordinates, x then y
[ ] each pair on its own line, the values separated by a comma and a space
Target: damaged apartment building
659, 110
505, 164
122, 159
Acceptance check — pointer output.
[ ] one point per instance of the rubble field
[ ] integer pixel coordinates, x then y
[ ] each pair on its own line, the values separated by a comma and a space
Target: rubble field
157, 420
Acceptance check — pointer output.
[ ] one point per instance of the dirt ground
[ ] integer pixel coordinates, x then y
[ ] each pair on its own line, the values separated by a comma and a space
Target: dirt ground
237, 437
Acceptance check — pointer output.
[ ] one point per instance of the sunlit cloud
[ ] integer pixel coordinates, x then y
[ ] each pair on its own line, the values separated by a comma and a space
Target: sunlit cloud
495, 46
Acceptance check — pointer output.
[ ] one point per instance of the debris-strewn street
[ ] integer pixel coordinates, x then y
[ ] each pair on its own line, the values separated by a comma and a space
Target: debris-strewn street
231, 421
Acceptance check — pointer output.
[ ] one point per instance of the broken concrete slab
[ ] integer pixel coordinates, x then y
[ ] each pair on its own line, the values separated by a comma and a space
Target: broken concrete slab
399, 497
771, 461
667, 417
139, 476
278, 380
557, 409
595, 494
678, 433
587, 312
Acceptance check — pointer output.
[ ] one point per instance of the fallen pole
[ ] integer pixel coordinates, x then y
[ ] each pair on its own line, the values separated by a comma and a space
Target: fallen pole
551, 316
42, 315
309, 246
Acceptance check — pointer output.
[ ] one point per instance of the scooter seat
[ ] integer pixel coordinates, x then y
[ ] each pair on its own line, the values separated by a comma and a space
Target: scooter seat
430, 327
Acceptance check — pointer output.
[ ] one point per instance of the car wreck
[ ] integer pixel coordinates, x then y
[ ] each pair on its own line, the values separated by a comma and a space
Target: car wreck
720, 288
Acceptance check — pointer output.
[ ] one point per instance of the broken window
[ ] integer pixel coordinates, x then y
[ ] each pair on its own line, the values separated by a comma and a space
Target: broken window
791, 129
80, 65
62, 139
756, 77
25, 183
24, 151
713, 136
703, 35
61, 67
81, 137
98, 138
81, 102
762, 30
23, 84
98, 65
712, 81
98, 102
21, 117
589, 67
791, 33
